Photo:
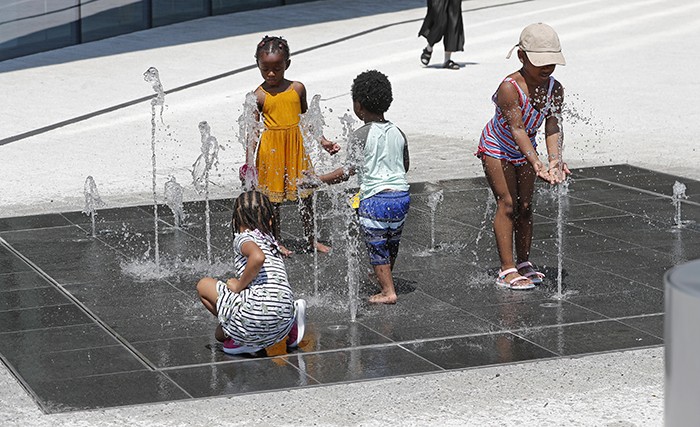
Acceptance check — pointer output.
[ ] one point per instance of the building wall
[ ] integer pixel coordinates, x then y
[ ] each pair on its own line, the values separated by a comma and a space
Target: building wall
31, 26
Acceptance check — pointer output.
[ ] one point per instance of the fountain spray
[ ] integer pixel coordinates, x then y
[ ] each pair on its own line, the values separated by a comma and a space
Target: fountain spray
311, 124
678, 195
249, 131
151, 75
173, 198
562, 190
434, 200
200, 174
352, 233
92, 200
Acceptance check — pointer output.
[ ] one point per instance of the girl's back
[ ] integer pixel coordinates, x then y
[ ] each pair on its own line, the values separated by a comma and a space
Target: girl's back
262, 313
383, 162
273, 273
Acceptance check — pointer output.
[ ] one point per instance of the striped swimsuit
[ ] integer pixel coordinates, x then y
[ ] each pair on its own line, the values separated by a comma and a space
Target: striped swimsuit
263, 313
497, 140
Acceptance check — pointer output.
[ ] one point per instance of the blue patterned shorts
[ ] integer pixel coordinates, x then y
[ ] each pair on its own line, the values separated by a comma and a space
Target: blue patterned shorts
381, 219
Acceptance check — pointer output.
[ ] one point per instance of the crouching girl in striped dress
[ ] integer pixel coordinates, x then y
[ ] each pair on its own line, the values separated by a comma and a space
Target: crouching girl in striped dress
257, 309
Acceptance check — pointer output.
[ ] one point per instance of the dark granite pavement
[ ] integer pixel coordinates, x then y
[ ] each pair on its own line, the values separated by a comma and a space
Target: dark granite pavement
81, 329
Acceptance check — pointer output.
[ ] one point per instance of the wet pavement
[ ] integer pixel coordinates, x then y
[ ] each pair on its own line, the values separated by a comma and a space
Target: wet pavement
81, 330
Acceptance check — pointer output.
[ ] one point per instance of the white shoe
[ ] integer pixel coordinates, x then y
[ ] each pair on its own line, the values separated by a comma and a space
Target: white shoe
297, 332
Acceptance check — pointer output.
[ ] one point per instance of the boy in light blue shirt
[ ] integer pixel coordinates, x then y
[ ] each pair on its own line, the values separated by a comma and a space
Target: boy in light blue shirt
379, 155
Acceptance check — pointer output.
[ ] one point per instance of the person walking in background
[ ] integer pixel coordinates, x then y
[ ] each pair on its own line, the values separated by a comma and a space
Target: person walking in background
525, 100
443, 21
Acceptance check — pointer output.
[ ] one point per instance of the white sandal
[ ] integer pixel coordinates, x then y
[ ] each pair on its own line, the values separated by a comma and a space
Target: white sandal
534, 275
518, 283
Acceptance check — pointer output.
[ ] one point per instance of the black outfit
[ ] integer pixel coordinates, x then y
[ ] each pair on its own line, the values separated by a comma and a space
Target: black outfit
444, 21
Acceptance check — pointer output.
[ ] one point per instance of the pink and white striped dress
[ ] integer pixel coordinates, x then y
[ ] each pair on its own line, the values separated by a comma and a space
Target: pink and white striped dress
496, 138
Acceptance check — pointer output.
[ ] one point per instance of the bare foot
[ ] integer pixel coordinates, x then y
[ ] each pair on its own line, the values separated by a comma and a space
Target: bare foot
322, 248
383, 299
285, 252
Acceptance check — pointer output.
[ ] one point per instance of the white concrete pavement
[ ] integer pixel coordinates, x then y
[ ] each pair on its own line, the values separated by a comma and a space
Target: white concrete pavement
628, 80
630, 86
621, 389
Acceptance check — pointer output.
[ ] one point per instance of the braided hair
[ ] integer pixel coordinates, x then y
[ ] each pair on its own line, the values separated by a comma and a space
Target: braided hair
272, 44
253, 210
372, 90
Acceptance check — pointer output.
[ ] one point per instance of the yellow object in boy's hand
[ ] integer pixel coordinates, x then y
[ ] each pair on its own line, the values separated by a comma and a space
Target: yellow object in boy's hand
355, 201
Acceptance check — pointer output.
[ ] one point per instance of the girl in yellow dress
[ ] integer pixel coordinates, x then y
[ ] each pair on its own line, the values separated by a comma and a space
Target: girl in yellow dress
281, 158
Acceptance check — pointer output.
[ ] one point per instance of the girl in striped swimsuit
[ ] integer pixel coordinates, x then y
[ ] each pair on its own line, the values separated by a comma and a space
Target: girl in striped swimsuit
524, 101
257, 309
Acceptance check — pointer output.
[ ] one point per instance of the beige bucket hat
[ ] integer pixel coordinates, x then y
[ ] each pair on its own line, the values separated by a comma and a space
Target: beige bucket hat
541, 45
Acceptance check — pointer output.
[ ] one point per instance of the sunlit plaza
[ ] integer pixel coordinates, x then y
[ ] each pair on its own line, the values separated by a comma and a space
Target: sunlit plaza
100, 321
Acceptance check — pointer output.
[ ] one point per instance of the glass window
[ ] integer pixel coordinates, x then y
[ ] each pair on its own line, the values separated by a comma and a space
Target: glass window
219, 7
30, 26
166, 12
106, 18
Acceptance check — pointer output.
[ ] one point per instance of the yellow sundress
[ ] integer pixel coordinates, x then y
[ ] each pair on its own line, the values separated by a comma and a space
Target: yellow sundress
281, 156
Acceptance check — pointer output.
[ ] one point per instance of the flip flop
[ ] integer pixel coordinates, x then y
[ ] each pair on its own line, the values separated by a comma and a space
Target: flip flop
520, 283
425, 56
534, 275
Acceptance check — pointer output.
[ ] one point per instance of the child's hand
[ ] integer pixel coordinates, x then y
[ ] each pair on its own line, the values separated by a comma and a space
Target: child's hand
309, 180
246, 173
542, 172
557, 176
329, 146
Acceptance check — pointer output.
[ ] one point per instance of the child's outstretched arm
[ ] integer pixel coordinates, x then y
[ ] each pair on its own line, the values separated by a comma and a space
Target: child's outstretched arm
552, 133
336, 176
255, 261
313, 181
